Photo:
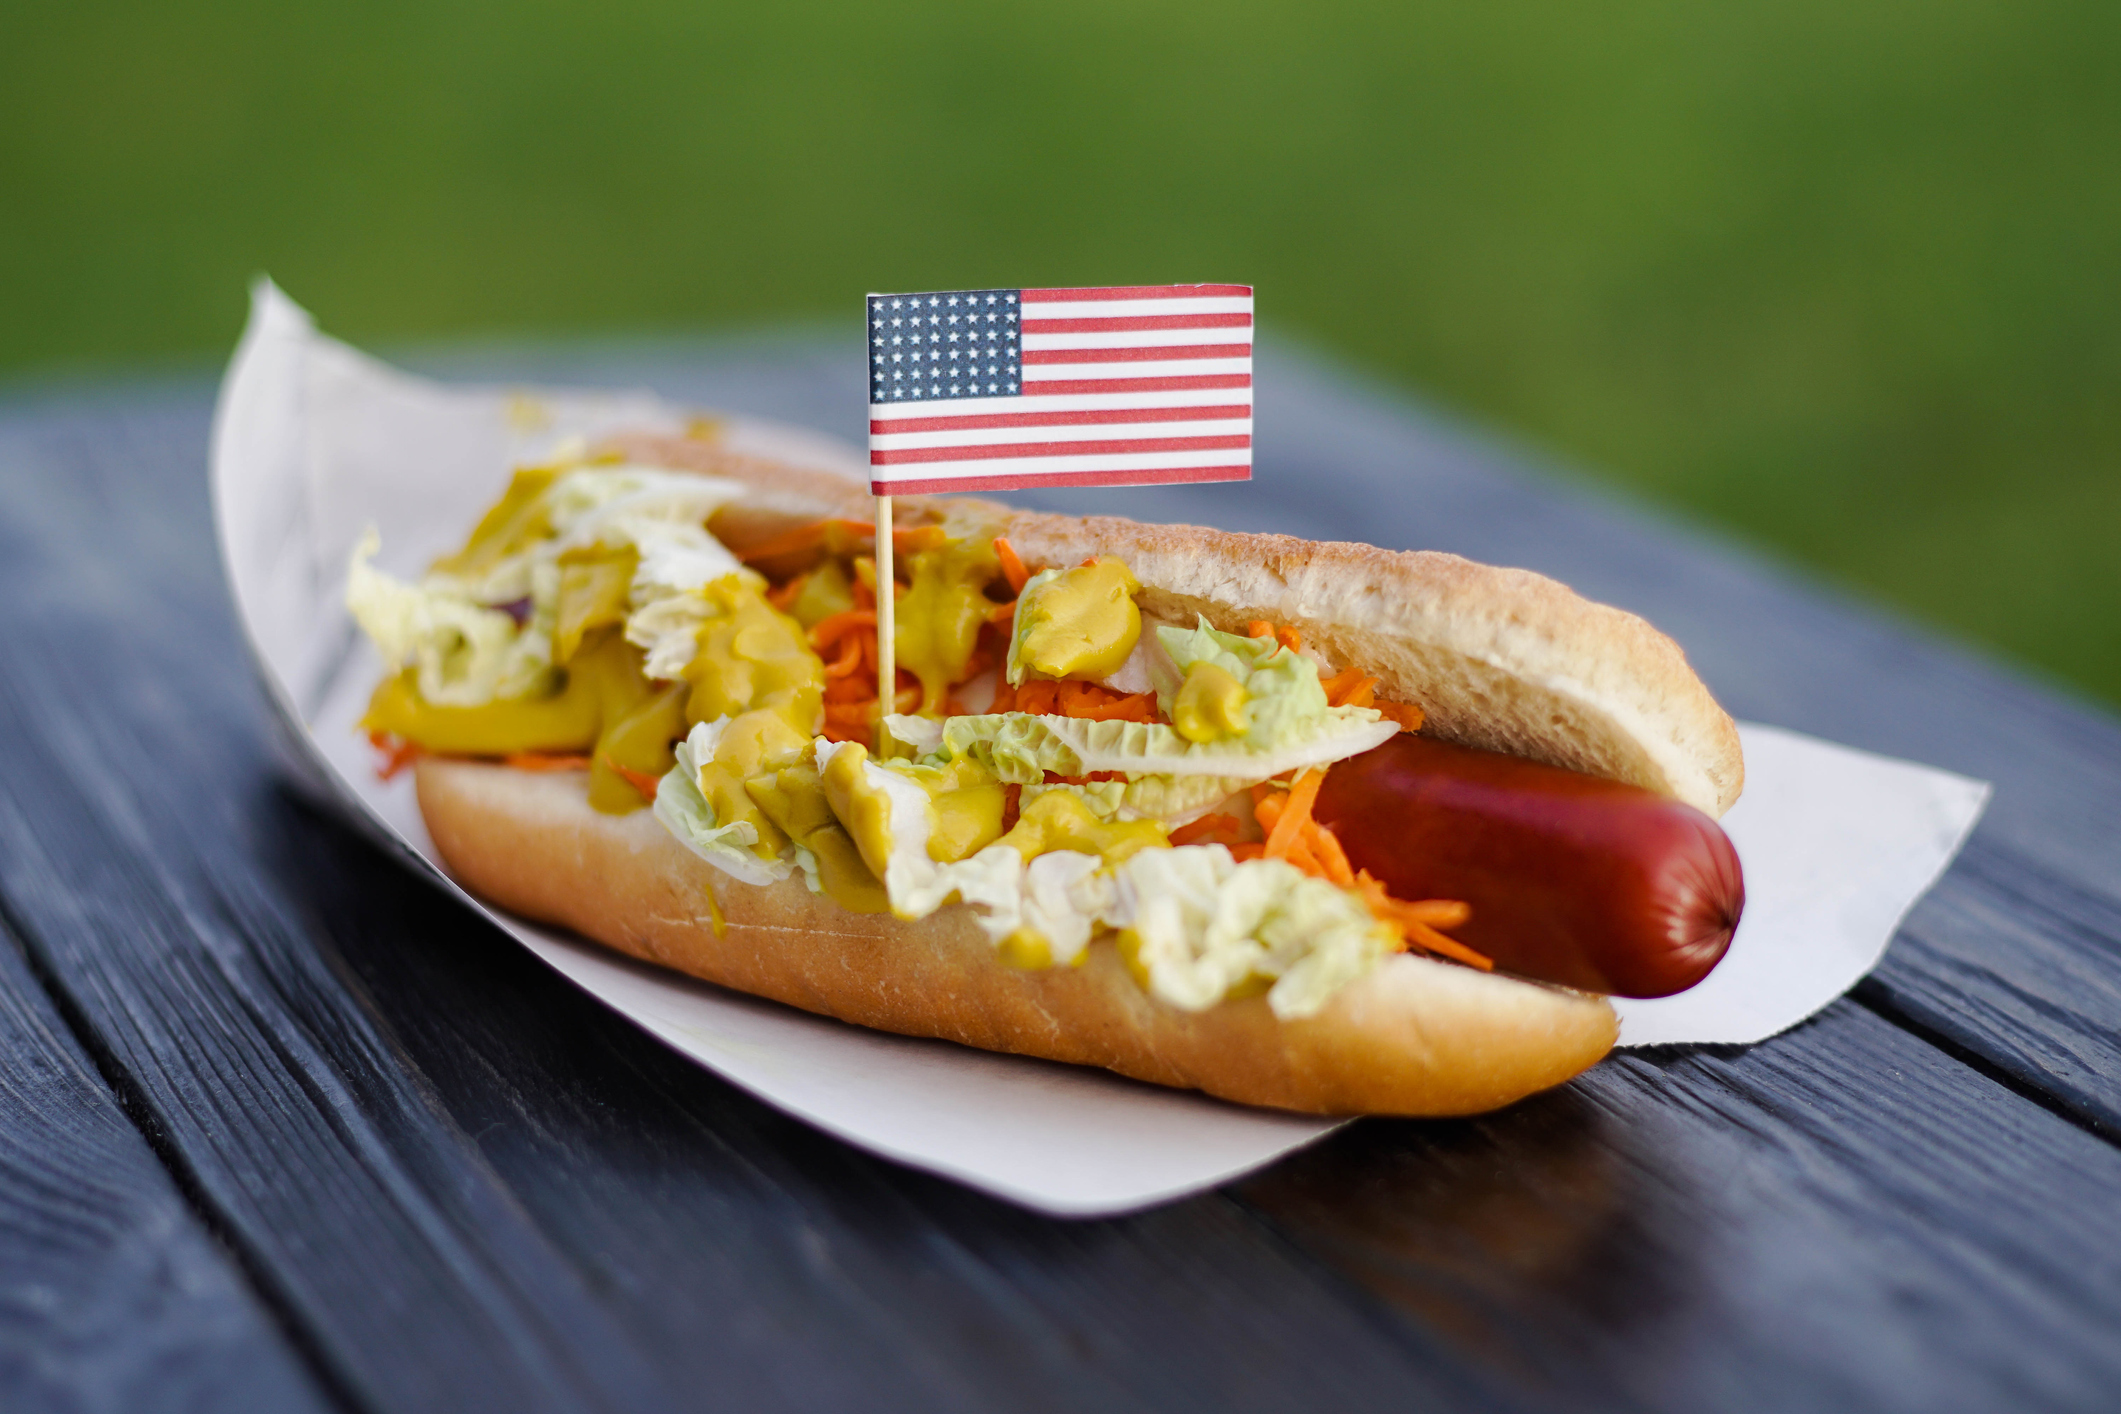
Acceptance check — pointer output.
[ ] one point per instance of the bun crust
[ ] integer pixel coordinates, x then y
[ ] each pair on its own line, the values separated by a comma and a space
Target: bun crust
1415, 1037
1503, 659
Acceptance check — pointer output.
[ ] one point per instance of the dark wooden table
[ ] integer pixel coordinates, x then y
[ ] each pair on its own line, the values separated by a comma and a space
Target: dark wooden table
283, 1128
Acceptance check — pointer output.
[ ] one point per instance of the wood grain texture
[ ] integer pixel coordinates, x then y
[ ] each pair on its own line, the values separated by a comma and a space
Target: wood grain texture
1840, 1218
128, 809
113, 1295
472, 1188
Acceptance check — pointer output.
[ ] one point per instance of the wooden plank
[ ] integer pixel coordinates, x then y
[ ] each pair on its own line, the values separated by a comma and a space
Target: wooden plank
1841, 1218
131, 766
113, 1295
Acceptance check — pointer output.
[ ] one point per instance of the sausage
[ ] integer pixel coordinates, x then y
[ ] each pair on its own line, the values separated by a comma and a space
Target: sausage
1573, 879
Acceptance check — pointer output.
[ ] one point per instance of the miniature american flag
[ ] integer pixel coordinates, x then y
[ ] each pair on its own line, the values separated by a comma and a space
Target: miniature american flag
1125, 385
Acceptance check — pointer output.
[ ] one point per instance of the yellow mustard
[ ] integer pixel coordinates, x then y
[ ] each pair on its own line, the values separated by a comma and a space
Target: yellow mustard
794, 799
753, 744
825, 592
1082, 623
1210, 706
594, 584
1028, 949
520, 518
964, 806
751, 655
603, 707
863, 810
1059, 819
941, 611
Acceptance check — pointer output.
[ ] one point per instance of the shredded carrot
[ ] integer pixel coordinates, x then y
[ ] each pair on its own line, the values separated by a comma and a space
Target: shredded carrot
1083, 699
804, 537
1423, 936
1332, 859
1003, 615
1288, 637
1417, 923
1055, 778
1435, 912
1004, 698
1102, 704
1268, 810
398, 753
1243, 852
1295, 813
1208, 829
1350, 687
540, 761
1012, 806
784, 596
639, 780
911, 540
850, 658
1409, 716
830, 628
1012, 565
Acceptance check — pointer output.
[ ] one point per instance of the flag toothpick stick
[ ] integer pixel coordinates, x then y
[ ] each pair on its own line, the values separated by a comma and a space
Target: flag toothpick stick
886, 622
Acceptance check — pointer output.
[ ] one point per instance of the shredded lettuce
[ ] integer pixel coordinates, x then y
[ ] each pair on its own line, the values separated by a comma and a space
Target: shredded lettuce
1020, 748
683, 809
466, 653
1199, 923
1283, 697
1013, 666
469, 651
1169, 800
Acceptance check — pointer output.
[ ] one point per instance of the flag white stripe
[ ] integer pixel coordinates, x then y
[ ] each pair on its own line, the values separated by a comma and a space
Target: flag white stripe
1033, 403
1134, 308
1147, 368
1134, 339
1033, 467
1092, 432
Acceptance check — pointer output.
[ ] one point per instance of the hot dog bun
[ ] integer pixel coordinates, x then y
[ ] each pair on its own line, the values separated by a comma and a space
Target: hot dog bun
1502, 659
1414, 1037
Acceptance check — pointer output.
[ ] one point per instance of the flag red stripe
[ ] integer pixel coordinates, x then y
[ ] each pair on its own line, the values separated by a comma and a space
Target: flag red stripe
1140, 292
1085, 418
1128, 323
1155, 354
1162, 477
1172, 383
903, 456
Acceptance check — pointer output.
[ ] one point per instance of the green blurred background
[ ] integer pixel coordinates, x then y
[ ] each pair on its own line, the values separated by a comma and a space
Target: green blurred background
1841, 278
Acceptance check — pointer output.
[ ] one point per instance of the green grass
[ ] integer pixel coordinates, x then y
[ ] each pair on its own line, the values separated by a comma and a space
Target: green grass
1842, 277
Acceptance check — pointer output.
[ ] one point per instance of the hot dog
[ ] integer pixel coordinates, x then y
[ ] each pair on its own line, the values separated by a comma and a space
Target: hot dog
1165, 845
1591, 883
